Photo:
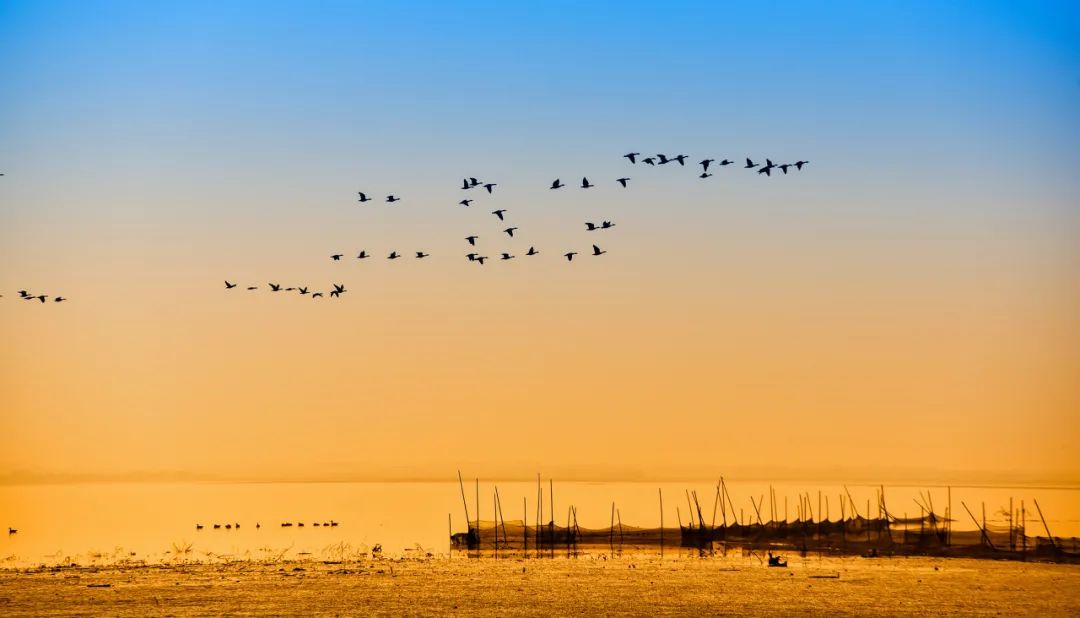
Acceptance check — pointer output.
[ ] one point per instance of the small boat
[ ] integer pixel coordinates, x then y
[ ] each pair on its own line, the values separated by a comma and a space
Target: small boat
777, 561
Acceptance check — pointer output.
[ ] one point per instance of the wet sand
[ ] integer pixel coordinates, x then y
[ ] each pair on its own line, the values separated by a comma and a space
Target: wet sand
641, 585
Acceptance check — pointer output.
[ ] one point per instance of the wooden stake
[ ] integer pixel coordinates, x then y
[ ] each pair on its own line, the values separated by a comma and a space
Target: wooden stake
1045, 527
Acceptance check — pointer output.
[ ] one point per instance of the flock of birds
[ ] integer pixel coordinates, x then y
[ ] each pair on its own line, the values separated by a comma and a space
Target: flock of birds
472, 183
25, 295
287, 524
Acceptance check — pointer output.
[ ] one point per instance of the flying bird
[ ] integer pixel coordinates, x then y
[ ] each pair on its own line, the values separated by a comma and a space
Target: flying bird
510, 231
481, 258
499, 213
473, 182
229, 286
589, 226
339, 288
275, 287
705, 175
622, 181
490, 186
663, 159
681, 159
631, 155
799, 164
507, 256
596, 250
362, 255
585, 183
725, 162
765, 170
749, 164
465, 184
58, 299
252, 287
290, 289
465, 202
784, 166
363, 197
472, 256
303, 291
649, 160
570, 256
557, 184
704, 163
336, 257
606, 224
392, 199
42, 297
24, 293
472, 240
421, 255
317, 295
532, 251
393, 255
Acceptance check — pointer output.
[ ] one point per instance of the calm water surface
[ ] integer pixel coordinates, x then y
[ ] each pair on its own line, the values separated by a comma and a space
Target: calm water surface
143, 521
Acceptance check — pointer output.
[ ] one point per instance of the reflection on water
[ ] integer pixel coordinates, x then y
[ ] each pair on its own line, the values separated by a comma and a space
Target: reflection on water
144, 521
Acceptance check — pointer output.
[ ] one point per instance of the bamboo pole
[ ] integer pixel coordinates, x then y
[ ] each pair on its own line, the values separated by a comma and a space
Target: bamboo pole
525, 527
461, 484
661, 492
985, 537
611, 531
1045, 527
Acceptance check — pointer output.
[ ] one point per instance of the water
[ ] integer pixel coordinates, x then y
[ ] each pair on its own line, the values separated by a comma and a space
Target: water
143, 521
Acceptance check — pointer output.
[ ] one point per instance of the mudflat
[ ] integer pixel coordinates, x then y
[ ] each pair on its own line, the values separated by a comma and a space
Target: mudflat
628, 585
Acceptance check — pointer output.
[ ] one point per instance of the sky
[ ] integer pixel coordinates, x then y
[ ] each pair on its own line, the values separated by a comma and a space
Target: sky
907, 304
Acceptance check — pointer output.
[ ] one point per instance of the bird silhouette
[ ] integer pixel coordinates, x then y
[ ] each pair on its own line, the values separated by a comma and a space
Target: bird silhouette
725, 162
663, 159
749, 164
198, 526
23, 293
317, 295
465, 184
362, 255
490, 186
481, 258
393, 255
681, 159
252, 287
622, 181
336, 257
338, 290
532, 251
507, 256
473, 182
58, 299
649, 160
799, 164
392, 199
510, 231
589, 226
229, 286
303, 291
363, 197
472, 240
705, 175
585, 183
704, 163
784, 167
421, 255
274, 287
606, 225
42, 297
570, 256
465, 202
765, 170
631, 155
290, 289
557, 184
472, 256
499, 213
596, 250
